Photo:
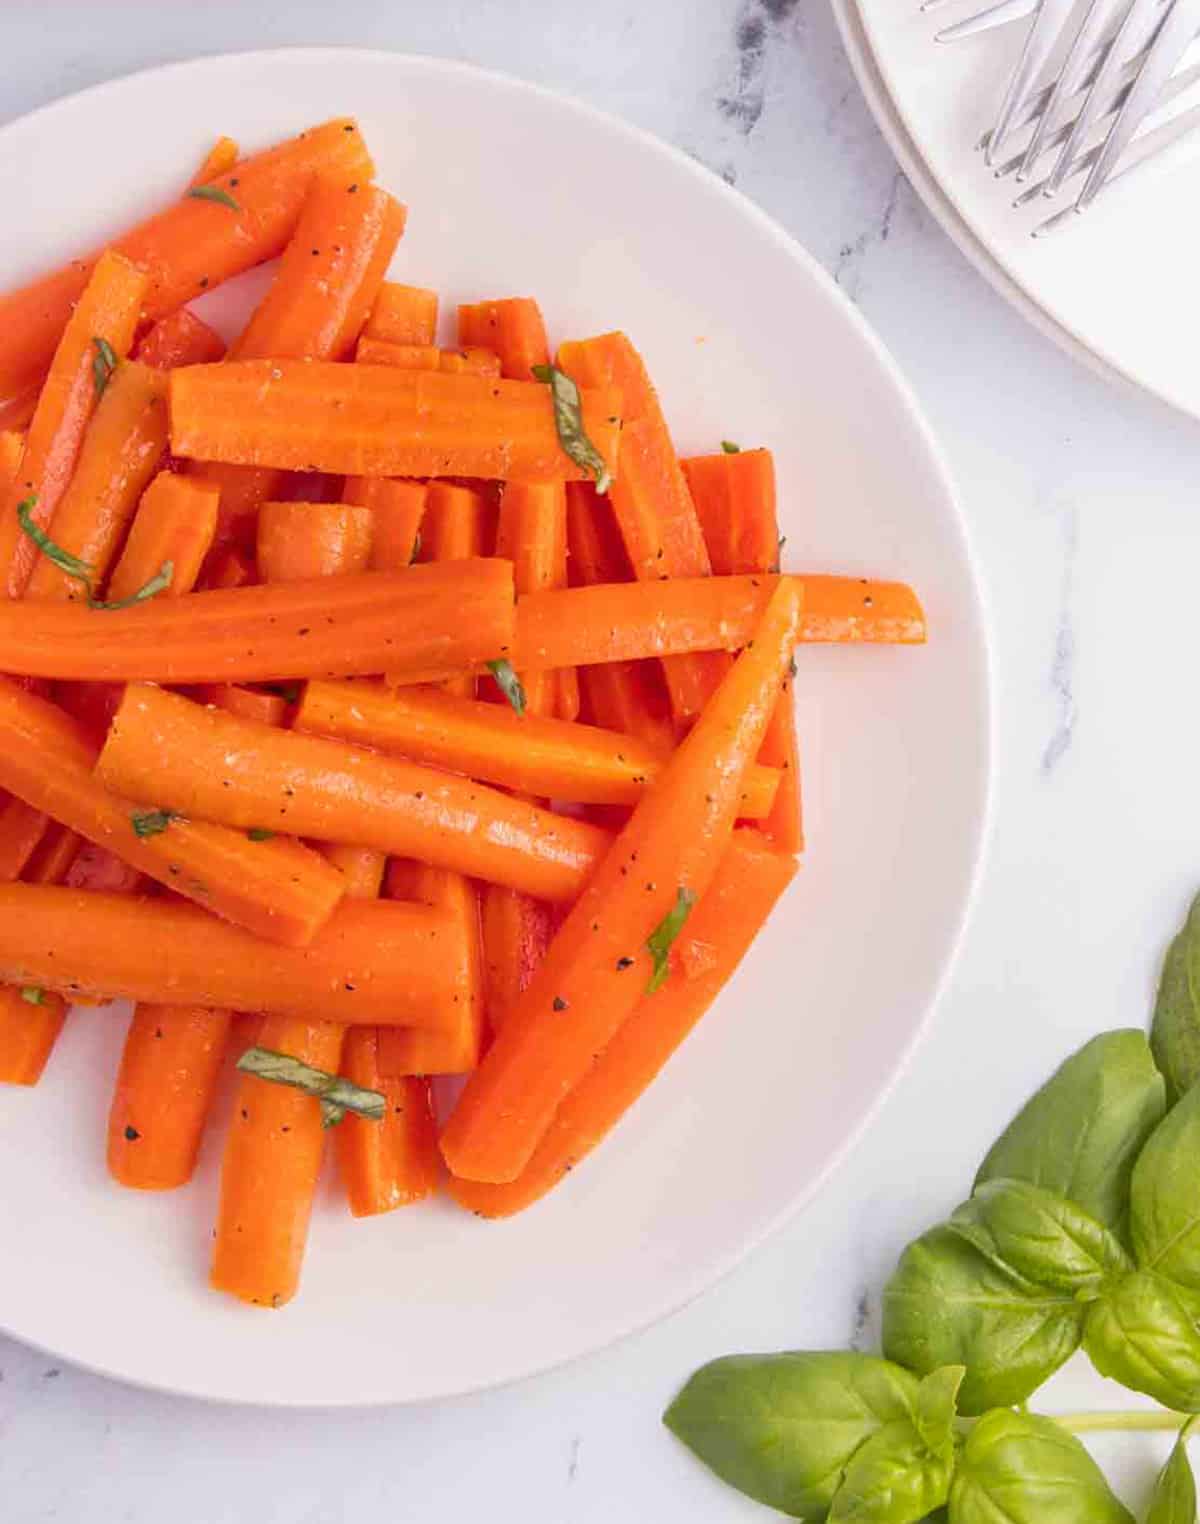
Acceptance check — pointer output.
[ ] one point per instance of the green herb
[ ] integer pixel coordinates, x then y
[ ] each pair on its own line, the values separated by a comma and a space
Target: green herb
936, 1408
1018, 1468
1143, 1333
159, 583
151, 822
104, 365
257, 833
568, 420
509, 683
32, 995
730, 448
214, 193
1044, 1237
339, 1095
662, 938
82, 571
1164, 1217
1174, 1500
1175, 1030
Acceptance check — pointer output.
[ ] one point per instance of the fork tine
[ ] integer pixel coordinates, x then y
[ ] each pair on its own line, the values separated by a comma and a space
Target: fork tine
998, 14
1039, 45
1084, 45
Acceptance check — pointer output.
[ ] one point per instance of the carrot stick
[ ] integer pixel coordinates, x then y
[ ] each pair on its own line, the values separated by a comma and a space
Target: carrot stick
249, 703
191, 246
375, 420
169, 1070
361, 868
532, 534
180, 338
513, 328
269, 1172
397, 509
548, 758
395, 1162
18, 411
12, 447
516, 932
300, 541
452, 529
212, 766
650, 499
455, 616
175, 522
373, 962
121, 451
229, 568
596, 968
748, 882
100, 328
277, 889
21, 829
29, 1028
219, 160
403, 315
452, 362
53, 855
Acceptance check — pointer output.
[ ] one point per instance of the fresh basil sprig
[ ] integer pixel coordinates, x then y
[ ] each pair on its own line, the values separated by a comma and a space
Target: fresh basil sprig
337, 1094
568, 421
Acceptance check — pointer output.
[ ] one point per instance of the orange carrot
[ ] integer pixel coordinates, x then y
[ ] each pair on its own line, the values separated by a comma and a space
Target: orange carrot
597, 966
175, 522
18, 411
180, 338
513, 328
394, 1162
299, 541
219, 160
229, 568
102, 872
30, 1020
276, 889
375, 420
516, 931
21, 829
212, 766
452, 362
403, 315
250, 703
548, 758
269, 1171
361, 868
100, 328
748, 882
397, 509
532, 534
121, 451
191, 246
374, 962
12, 447
440, 617
452, 529
53, 855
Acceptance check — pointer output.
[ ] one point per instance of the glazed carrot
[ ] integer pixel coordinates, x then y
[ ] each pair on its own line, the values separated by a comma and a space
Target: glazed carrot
596, 968
452, 529
378, 962
100, 328
249, 703
212, 766
299, 541
397, 508
12, 447
269, 1171
516, 932
452, 362
29, 1027
361, 868
650, 498
53, 855
403, 315
175, 522
219, 160
532, 534
276, 888
375, 420
229, 568
121, 451
513, 328
180, 338
394, 1162
169, 1070
18, 411
748, 882
441, 617
21, 829
191, 246
100, 871
548, 758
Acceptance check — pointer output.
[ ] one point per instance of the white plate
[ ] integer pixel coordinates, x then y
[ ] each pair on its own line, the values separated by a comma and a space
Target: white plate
514, 190
1117, 283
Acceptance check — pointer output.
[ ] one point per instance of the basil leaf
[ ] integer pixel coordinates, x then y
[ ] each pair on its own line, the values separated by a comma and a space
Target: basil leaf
71, 565
104, 365
508, 683
1143, 1333
214, 193
1175, 1029
1164, 1215
1174, 1500
947, 1303
159, 583
893, 1479
783, 1428
568, 420
339, 1095
151, 822
730, 448
937, 1398
32, 994
662, 938
1016, 1468
1080, 1134
1043, 1238
259, 833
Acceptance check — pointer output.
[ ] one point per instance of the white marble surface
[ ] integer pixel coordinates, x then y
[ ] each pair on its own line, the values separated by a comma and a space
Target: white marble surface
1082, 504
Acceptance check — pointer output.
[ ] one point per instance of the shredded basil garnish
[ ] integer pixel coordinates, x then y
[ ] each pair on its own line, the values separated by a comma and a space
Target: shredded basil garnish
159, 583
104, 364
214, 193
568, 420
32, 995
151, 822
257, 833
662, 938
81, 571
336, 1094
730, 448
509, 683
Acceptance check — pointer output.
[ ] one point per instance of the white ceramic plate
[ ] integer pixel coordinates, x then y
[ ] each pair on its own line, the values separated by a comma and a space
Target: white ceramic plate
514, 190
1119, 283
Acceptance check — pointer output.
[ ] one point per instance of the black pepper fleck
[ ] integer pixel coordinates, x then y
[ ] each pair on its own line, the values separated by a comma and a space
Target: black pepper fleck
132, 1134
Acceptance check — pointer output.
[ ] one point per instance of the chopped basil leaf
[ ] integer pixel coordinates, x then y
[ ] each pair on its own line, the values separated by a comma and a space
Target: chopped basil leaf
159, 583
331, 1113
214, 193
509, 683
662, 938
730, 448
32, 995
256, 833
104, 363
336, 1094
151, 822
70, 565
568, 420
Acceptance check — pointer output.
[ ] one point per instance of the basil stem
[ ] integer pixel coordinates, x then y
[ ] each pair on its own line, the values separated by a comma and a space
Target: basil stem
104, 365
159, 583
150, 822
662, 938
214, 193
336, 1094
568, 420
509, 683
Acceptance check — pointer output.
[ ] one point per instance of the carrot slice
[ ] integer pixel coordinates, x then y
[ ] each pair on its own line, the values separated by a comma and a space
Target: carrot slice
395, 1162
513, 328
596, 968
175, 522
375, 420
100, 328
30, 1020
219, 160
453, 362
300, 541
747, 885
180, 338
212, 766
403, 315
397, 509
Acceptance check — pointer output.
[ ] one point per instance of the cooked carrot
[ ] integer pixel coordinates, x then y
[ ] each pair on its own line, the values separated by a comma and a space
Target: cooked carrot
394, 1162
219, 160
180, 338
21, 829
532, 534
229, 568
12, 447
191, 246
175, 523
452, 529
375, 420
513, 328
373, 962
650, 499
30, 1020
516, 931
275, 888
452, 362
269, 1171
18, 411
548, 758
53, 855
441, 617
102, 872
249, 703
300, 541
597, 965
121, 451
100, 330
169, 1070
212, 766
403, 314
397, 508
361, 868
748, 882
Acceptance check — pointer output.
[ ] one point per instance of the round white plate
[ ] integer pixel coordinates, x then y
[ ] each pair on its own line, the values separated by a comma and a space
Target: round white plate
1118, 282
513, 190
